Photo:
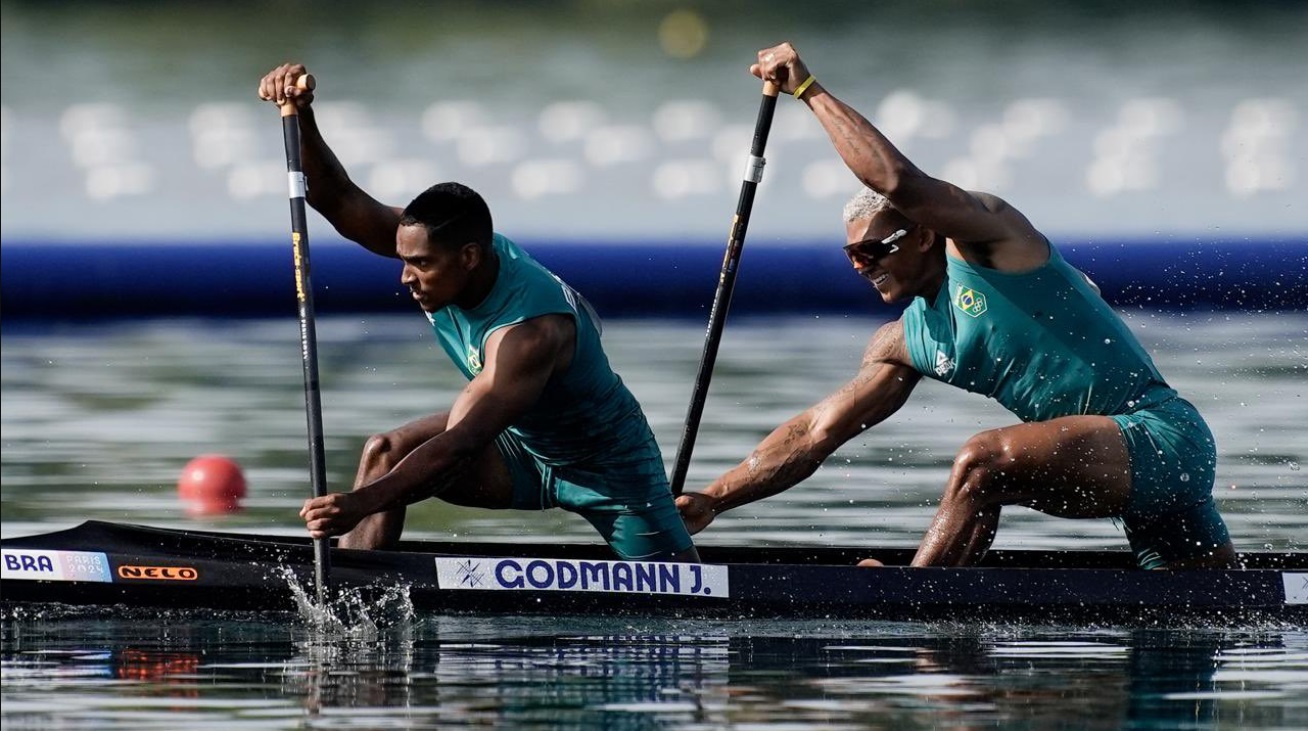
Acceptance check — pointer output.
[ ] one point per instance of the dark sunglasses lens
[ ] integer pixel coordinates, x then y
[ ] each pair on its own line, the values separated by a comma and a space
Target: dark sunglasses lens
866, 252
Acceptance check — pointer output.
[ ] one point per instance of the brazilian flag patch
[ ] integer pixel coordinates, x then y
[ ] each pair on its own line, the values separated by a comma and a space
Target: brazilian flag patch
970, 301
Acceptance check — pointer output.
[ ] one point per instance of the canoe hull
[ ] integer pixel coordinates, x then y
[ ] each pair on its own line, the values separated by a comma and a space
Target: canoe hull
113, 564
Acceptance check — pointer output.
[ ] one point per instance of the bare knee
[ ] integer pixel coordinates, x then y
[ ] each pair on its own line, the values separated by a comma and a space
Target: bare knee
979, 468
381, 452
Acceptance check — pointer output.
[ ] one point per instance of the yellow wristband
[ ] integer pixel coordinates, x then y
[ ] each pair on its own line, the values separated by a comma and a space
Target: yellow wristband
799, 90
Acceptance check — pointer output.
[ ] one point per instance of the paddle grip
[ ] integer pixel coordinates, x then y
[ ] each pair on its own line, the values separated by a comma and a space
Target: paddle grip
306, 82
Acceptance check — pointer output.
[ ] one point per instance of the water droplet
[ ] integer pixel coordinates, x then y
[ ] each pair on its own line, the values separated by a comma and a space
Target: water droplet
1185, 477
1108, 341
1294, 465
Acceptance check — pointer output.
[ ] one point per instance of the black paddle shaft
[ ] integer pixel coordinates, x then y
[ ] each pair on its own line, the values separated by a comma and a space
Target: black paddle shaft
726, 285
308, 333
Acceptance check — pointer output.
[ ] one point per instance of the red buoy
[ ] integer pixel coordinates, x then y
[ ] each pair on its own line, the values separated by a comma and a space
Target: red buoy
211, 484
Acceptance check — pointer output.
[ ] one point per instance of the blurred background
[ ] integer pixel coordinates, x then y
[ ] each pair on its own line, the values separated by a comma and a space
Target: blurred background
1161, 143
615, 120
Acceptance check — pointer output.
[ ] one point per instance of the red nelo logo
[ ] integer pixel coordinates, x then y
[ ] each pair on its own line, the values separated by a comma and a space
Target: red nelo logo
159, 573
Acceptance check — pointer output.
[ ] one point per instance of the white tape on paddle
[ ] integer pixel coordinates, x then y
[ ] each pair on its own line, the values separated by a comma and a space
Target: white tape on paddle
754, 169
298, 186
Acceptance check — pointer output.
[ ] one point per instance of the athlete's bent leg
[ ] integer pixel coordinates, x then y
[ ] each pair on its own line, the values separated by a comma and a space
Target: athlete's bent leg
1194, 537
1173, 521
486, 483
1072, 467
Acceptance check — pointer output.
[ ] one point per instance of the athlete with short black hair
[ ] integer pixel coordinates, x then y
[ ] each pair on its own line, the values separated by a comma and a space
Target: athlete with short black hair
543, 422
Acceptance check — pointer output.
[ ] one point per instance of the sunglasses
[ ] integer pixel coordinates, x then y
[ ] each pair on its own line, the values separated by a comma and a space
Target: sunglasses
866, 252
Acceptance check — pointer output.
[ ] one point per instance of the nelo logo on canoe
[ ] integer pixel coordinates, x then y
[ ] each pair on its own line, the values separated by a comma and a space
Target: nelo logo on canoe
158, 573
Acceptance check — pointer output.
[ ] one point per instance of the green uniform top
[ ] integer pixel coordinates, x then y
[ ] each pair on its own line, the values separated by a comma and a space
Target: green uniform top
1043, 343
585, 415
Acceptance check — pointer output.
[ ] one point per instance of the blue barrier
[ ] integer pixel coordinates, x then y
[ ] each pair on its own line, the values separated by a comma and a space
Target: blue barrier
626, 279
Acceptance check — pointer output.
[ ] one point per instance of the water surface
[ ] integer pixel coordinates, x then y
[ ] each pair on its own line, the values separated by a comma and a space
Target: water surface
98, 420
454, 672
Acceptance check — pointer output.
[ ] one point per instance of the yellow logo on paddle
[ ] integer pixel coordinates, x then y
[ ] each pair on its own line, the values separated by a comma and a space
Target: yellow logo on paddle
970, 301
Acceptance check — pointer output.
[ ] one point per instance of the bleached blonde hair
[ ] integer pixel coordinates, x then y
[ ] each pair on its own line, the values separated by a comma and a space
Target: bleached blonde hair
865, 204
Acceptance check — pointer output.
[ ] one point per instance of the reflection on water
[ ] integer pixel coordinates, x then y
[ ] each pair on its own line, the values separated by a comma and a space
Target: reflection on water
445, 672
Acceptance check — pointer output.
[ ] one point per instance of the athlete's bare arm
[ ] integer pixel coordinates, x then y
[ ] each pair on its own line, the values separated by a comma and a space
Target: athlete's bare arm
356, 215
793, 451
520, 359
980, 226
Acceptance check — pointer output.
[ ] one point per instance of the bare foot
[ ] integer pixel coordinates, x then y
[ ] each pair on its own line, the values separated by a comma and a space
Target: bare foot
870, 563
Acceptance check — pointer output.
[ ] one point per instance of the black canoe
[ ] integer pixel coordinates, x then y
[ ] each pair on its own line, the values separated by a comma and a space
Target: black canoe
100, 563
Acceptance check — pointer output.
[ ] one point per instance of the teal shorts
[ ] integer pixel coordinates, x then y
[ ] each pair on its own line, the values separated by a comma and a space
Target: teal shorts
1172, 514
629, 503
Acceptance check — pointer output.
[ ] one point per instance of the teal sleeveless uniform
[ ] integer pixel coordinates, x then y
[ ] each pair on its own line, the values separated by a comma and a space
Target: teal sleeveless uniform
585, 445
1044, 344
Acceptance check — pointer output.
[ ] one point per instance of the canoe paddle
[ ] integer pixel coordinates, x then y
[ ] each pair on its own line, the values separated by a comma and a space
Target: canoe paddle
308, 333
726, 285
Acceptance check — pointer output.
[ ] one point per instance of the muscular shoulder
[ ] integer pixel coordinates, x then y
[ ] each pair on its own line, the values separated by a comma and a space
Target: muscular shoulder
887, 346
1014, 245
547, 339
990, 201
883, 382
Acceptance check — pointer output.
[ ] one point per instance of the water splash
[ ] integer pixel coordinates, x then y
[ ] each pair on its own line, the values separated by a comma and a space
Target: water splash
353, 613
345, 646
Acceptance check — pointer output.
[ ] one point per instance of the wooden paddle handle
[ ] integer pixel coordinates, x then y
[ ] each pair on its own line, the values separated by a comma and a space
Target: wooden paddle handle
769, 88
304, 83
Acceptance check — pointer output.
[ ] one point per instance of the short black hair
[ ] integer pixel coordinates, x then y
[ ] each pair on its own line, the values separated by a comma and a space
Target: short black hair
452, 213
